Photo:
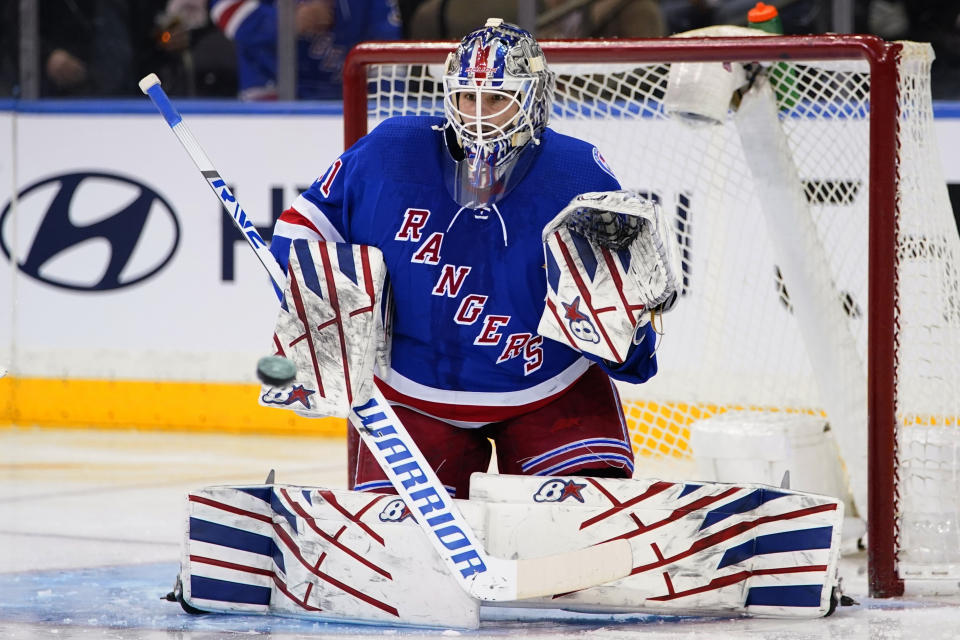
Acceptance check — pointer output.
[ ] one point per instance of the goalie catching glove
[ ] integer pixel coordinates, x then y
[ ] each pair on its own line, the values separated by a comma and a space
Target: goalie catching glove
611, 260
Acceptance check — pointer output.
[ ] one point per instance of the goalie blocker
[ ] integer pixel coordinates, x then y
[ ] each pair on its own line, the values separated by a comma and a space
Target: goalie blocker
331, 325
611, 261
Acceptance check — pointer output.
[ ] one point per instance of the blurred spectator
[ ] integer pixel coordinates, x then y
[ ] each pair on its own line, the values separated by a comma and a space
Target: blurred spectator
326, 30
603, 19
407, 9
193, 57
9, 48
686, 15
446, 19
450, 19
798, 16
214, 63
85, 48
97, 48
161, 40
932, 21
886, 19
938, 23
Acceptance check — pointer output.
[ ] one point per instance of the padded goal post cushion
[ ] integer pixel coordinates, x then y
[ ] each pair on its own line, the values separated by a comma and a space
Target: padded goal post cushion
331, 325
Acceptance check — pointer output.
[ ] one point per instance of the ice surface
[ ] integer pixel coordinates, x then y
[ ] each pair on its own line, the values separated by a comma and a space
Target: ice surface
90, 529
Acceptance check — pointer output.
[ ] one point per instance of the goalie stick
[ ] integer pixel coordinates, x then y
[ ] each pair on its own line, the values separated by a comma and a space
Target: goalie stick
481, 575
150, 85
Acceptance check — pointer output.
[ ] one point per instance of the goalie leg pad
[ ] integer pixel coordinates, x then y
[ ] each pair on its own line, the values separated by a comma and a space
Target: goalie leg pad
698, 547
318, 553
331, 325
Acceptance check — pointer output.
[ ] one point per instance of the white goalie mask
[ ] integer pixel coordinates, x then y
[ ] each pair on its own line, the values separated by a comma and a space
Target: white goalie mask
497, 99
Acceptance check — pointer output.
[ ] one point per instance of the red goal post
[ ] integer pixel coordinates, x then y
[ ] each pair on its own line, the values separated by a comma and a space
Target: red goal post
878, 108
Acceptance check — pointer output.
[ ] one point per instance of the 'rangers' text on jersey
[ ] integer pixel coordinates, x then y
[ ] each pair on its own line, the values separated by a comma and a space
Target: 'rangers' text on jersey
468, 284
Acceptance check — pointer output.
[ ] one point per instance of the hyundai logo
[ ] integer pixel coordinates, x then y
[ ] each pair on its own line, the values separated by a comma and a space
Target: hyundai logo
89, 231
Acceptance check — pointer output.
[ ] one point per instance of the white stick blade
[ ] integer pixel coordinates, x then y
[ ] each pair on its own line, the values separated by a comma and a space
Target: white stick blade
148, 81
581, 569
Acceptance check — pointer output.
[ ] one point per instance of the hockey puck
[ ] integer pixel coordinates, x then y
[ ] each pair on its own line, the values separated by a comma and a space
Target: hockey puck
276, 371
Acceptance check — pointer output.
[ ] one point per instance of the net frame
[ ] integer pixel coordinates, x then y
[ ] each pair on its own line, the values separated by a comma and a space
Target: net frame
882, 58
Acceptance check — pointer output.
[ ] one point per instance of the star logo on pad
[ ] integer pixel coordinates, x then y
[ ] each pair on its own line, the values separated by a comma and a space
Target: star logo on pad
572, 311
557, 490
300, 394
572, 490
579, 323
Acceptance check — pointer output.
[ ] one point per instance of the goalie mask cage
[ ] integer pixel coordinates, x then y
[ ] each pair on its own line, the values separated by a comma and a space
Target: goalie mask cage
820, 254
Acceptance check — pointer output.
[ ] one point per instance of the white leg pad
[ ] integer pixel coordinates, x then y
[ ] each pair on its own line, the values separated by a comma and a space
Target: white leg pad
698, 548
315, 553
701, 548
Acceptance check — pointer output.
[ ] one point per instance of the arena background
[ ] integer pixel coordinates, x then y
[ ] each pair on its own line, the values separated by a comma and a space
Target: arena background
127, 299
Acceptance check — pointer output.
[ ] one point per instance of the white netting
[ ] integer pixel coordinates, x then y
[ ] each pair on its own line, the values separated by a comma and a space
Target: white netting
928, 367
773, 225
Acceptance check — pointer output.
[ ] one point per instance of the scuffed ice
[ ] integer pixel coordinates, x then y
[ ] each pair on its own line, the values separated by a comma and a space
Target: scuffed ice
126, 602
90, 542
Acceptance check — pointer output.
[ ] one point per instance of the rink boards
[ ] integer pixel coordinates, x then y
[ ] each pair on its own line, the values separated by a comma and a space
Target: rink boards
126, 298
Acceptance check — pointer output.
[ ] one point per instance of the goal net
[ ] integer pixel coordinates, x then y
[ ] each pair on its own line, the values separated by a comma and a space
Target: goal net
820, 255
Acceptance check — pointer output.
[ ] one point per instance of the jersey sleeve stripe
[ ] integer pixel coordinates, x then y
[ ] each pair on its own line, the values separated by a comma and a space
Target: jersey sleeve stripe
317, 218
293, 231
222, 6
230, 15
292, 218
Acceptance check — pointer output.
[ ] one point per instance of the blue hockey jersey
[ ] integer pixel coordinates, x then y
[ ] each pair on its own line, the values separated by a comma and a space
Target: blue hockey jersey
468, 285
252, 25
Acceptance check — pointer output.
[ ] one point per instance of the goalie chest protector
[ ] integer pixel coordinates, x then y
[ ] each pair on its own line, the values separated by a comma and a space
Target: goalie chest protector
468, 285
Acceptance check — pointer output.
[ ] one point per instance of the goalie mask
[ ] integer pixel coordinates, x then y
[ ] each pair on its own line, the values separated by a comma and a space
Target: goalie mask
497, 94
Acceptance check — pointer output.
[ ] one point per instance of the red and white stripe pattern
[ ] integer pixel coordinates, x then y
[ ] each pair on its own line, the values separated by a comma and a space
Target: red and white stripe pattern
470, 409
748, 538
306, 220
314, 553
700, 547
329, 327
574, 456
228, 15
592, 303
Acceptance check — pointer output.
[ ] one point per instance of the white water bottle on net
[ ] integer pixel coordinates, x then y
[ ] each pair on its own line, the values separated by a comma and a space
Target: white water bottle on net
819, 250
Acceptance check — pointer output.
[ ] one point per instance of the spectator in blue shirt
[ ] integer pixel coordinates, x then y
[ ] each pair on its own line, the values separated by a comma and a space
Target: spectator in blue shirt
326, 30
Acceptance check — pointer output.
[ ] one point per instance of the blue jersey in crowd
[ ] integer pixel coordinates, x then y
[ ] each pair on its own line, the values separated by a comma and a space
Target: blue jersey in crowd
252, 25
468, 285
